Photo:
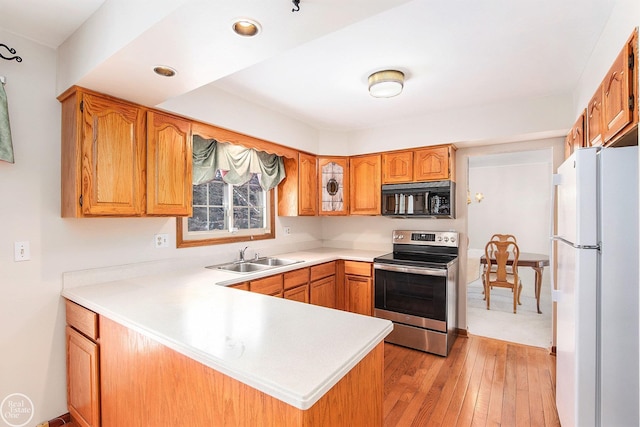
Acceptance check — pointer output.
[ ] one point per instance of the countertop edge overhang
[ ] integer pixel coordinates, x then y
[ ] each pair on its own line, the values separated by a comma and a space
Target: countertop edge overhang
292, 351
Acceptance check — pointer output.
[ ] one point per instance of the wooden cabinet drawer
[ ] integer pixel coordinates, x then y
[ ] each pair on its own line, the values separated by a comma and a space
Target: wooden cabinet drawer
244, 286
271, 285
83, 320
357, 268
323, 270
296, 278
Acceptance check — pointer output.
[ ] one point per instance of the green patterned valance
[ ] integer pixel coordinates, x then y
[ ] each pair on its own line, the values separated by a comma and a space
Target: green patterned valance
236, 163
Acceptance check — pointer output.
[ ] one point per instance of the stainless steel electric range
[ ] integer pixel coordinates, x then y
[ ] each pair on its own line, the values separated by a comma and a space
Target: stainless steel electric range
416, 288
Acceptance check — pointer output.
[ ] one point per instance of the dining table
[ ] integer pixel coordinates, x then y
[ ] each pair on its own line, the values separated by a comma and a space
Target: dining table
527, 259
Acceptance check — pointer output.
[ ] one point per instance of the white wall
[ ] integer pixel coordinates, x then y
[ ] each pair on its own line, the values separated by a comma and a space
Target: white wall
517, 200
513, 120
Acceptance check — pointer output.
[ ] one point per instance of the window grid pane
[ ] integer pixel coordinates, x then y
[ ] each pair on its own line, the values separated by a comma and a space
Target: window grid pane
210, 201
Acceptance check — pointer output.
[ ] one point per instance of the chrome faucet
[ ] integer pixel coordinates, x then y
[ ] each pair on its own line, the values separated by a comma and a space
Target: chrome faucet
242, 253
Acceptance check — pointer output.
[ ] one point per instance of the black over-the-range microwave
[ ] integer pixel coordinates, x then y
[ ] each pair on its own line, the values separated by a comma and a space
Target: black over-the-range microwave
434, 199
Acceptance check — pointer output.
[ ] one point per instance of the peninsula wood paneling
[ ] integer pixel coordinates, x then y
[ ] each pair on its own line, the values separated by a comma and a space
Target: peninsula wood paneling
147, 384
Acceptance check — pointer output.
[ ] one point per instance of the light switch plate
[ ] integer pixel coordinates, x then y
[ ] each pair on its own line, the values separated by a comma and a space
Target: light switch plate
22, 252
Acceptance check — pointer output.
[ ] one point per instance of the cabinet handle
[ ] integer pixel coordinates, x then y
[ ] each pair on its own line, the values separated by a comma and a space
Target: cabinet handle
614, 76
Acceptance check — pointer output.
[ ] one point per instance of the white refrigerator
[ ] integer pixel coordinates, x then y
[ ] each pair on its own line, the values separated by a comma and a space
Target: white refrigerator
597, 288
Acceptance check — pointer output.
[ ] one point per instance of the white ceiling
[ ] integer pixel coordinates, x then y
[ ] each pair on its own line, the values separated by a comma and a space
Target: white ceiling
313, 65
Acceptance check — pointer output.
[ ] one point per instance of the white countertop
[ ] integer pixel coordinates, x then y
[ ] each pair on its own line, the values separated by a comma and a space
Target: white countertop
292, 351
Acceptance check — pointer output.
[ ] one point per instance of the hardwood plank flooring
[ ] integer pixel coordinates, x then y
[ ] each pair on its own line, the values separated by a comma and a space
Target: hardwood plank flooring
482, 382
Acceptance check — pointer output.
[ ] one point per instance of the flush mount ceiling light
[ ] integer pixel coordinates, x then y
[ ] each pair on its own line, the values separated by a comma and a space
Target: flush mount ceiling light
163, 70
246, 27
386, 83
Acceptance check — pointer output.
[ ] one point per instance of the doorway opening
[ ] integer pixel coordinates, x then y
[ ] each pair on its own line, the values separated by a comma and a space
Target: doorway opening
510, 193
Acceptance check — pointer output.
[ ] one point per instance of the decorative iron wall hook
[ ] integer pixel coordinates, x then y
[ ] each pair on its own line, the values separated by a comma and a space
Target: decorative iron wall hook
12, 51
296, 5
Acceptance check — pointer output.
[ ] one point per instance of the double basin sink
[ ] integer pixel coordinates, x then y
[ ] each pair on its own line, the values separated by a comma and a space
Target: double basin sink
253, 265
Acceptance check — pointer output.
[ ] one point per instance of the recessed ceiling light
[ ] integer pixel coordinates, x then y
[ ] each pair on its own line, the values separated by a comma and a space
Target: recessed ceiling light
165, 71
246, 27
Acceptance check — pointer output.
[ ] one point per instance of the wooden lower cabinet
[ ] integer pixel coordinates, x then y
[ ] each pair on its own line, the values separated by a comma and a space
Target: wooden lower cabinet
322, 289
358, 287
358, 294
323, 292
147, 384
301, 293
83, 366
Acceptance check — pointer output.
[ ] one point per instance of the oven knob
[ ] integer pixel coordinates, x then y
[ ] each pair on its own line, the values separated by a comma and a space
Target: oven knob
439, 239
453, 239
446, 239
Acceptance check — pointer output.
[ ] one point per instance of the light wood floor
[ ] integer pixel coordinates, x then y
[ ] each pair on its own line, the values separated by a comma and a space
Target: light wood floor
482, 382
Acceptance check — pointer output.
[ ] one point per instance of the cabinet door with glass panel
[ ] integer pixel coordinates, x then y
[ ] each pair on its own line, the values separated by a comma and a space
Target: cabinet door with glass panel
333, 185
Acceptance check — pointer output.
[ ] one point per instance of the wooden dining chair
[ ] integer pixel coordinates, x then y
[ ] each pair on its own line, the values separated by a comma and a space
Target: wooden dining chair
503, 276
504, 238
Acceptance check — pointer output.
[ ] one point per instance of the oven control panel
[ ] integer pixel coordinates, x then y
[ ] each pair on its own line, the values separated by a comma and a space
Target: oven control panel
427, 238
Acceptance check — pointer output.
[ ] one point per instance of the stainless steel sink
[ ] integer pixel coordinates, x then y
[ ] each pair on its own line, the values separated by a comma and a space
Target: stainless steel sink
240, 267
273, 261
258, 264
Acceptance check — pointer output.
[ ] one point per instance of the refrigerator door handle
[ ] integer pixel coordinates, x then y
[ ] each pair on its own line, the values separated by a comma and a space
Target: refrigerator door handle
555, 181
573, 245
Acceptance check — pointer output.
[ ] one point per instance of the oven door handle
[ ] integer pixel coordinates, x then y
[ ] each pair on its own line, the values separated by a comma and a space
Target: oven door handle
425, 271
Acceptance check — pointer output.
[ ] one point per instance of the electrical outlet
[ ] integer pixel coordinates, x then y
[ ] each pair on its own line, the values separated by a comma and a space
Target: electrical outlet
21, 251
161, 240
287, 230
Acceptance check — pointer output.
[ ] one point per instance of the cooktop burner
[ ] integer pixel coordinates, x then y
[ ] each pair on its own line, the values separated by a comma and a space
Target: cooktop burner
417, 259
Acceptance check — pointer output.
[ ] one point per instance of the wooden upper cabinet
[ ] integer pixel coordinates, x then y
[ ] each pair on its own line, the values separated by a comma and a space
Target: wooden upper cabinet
434, 163
308, 193
333, 185
169, 159
594, 120
613, 109
575, 138
618, 92
365, 180
298, 192
397, 167
116, 161
112, 156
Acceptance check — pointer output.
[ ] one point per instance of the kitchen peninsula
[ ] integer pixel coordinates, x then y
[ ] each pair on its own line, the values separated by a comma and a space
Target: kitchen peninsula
182, 348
